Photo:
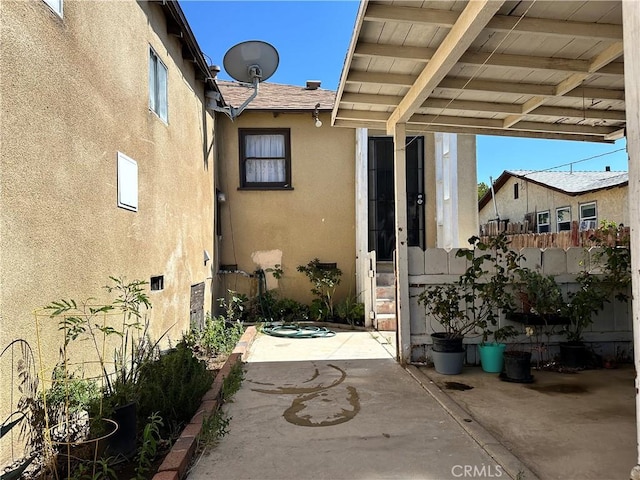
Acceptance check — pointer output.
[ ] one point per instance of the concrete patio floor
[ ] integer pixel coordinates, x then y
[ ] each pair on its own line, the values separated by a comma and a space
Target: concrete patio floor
562, 426
342, 408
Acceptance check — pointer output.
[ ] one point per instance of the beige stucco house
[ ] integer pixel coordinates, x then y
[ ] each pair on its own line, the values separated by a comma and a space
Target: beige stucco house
334, 199
293, 208
107, 167
552, 201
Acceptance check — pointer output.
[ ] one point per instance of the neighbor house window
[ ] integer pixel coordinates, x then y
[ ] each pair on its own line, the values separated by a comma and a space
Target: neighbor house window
55, 5
265, 158
516, 191
588, 216
563, 218
543, 222
127, 183
157, 85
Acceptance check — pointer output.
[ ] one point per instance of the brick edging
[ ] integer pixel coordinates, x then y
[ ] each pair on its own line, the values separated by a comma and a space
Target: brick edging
176, 462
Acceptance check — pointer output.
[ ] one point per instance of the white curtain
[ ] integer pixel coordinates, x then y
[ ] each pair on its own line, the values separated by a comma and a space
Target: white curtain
265, 158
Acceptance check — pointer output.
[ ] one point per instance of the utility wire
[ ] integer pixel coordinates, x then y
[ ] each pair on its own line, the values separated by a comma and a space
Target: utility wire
576, 161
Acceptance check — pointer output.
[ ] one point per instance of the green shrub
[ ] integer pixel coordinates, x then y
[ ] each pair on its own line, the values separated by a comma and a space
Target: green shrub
324, 279
218, 337
173, 386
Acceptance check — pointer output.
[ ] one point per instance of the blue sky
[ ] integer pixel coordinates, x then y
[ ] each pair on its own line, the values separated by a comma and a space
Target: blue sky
312, 39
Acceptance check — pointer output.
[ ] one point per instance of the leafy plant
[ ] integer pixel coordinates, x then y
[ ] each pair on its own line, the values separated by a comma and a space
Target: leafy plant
218, 337
481, 293
324, 279
69, 396
501, 335
351, 311
98, 470
232, 382
615, 257
149, 447
540, 294
214, 427
276, 271
582, 304
84, 321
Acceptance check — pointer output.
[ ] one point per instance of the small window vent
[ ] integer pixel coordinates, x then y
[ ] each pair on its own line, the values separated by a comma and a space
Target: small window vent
157, 283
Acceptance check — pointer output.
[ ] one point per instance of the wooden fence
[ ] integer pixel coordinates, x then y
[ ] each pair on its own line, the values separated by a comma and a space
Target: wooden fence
521, 237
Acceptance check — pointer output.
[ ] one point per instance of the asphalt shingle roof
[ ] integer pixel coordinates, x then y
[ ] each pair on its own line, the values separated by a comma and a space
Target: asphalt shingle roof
275, 96
574, 182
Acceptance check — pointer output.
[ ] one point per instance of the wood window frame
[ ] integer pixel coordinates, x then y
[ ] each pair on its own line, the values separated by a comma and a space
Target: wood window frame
558, 222
244, 184
158, 97
547, 225
593, 220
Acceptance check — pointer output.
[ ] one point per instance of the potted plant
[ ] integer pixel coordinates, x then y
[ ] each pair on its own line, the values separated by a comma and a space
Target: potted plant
123, 326
475, 301
492, 352
582, 304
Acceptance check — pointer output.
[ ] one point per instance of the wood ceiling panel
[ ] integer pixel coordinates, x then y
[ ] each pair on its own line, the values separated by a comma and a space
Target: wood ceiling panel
554, 49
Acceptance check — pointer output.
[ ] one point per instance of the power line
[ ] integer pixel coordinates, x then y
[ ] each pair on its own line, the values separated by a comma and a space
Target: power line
577, 161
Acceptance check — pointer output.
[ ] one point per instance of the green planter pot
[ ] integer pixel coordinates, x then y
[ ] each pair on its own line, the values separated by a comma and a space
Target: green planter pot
492, 356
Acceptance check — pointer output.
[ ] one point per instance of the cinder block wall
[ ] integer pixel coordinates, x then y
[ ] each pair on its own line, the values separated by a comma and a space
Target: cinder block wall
610, 333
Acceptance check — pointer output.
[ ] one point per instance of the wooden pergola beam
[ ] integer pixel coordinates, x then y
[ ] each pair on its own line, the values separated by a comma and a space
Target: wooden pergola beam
489, 107
605, 57
456, 83
467, 27
527, 62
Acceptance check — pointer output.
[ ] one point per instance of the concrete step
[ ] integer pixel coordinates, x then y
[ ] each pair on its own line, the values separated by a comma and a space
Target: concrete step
385, 322
386, 292
385, 279
384, 267
385, 306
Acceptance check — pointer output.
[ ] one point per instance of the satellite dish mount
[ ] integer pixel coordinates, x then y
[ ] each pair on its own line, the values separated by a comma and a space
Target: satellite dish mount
248, 62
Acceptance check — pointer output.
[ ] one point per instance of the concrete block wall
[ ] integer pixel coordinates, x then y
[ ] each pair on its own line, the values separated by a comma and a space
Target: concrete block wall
610, 333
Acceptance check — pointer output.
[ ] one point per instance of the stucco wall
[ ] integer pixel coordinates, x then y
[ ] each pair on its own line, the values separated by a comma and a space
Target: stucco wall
612, 204
74, 93
290, 227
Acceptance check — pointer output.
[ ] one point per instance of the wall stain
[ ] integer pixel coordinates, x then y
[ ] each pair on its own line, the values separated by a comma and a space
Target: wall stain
310, 397
293, 390
299, 404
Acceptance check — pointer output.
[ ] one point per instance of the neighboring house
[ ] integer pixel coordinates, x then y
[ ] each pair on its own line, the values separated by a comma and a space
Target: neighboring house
107, 167
545, 202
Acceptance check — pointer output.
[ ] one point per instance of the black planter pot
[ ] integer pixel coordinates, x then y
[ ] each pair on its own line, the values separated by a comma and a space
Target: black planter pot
124, 440
517, 367
443, 343
574, 354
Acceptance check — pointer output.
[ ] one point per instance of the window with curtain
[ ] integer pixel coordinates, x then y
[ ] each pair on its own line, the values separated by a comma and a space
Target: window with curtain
588, 216
157, 85
265, 158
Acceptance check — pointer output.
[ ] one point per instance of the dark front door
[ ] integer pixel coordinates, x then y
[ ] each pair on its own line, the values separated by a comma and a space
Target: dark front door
381, 195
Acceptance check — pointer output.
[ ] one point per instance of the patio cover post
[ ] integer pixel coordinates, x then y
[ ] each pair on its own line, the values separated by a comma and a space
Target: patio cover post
631, 32
402, 253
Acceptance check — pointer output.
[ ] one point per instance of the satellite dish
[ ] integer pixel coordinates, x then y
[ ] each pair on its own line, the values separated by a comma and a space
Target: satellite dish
250, 61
